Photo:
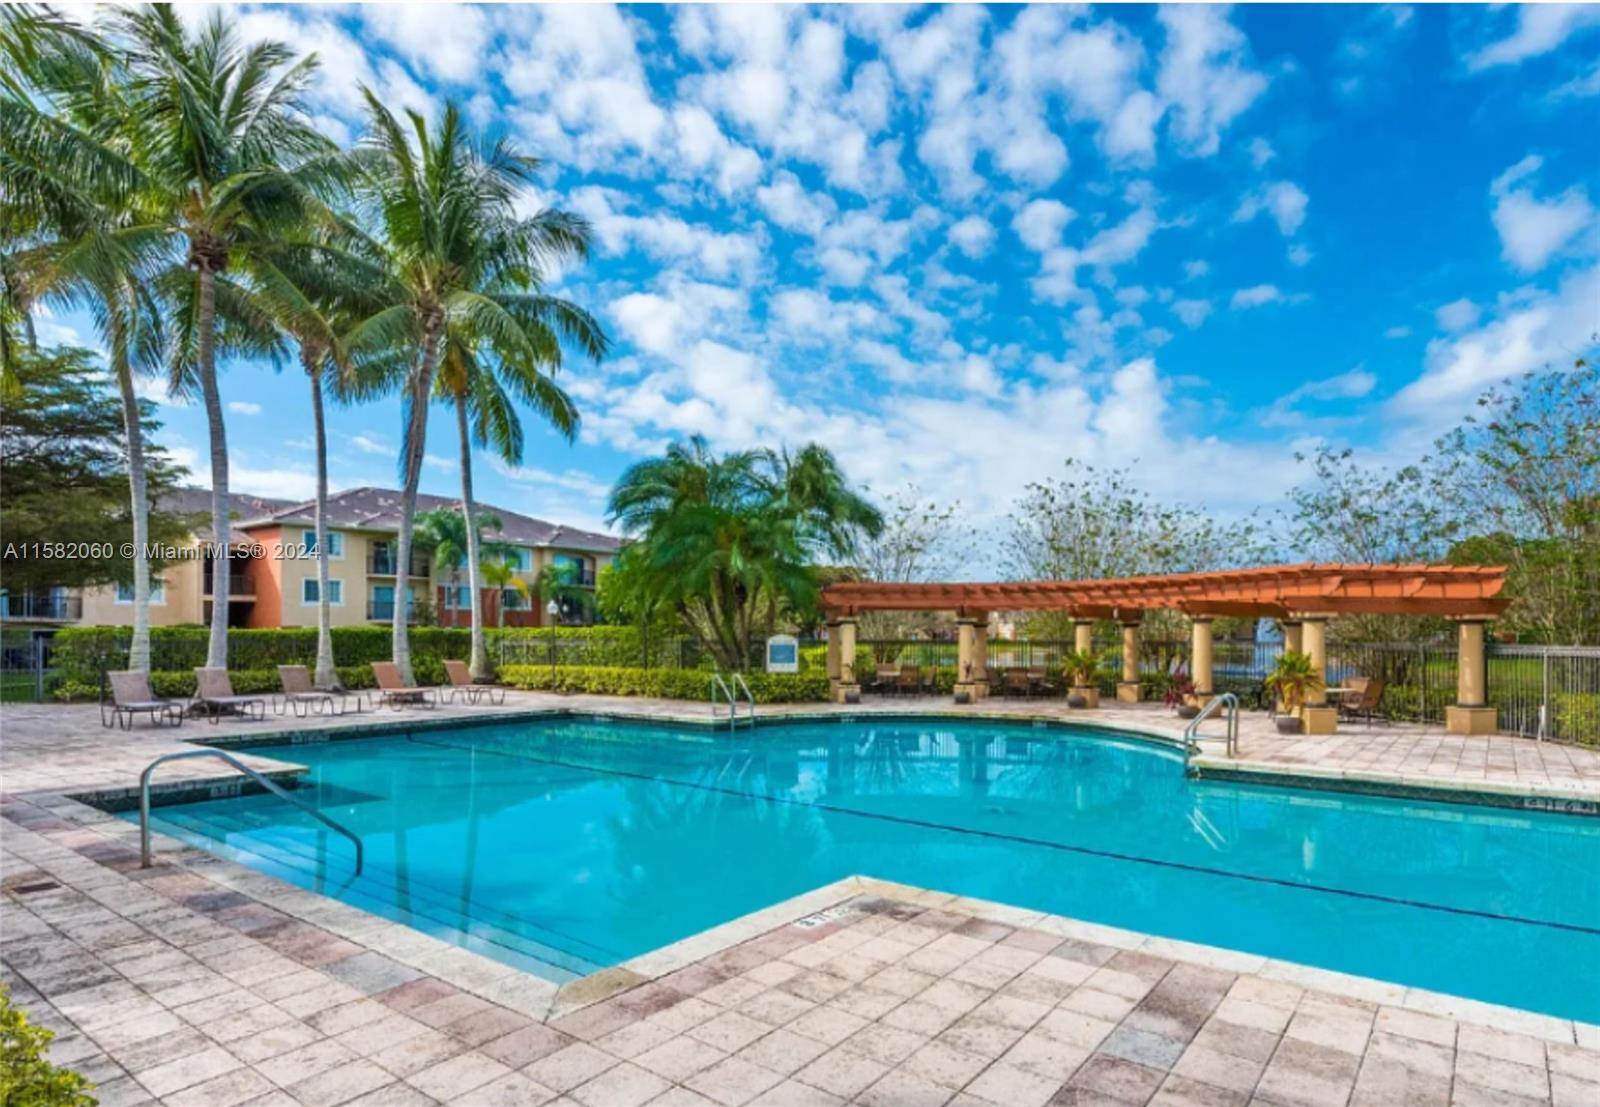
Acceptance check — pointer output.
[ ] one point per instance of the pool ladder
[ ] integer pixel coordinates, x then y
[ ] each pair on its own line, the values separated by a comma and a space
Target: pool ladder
730, 688
1191, 733
275, 789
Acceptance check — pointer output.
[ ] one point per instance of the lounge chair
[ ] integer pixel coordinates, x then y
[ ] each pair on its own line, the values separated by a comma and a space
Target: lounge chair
1364, 700
214, 695
462, 684
395, 692
130, 696
303, 696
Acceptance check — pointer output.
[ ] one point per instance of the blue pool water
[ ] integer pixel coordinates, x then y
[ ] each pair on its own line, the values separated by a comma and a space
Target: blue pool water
565, 845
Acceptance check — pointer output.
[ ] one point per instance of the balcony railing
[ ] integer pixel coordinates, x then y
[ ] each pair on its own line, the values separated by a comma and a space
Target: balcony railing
382, 563
41, 606
239, 584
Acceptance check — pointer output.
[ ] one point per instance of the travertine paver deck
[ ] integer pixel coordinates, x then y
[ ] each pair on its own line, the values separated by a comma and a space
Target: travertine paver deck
202, 982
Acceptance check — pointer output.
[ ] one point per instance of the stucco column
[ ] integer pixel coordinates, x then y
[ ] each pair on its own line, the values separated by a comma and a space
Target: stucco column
1200, 657
1128, 686
1291, 636
833, 652
1083, 635
847, 689
972, 679
1471, 713
1316, 717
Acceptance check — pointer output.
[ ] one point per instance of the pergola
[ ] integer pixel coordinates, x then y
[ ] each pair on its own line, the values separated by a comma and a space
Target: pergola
1303, 598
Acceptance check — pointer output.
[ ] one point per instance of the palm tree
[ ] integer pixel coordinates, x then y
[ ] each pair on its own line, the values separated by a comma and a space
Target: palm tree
231, 161
443, 532
502, 577
732, 543
69, 202
464, 275
556, 583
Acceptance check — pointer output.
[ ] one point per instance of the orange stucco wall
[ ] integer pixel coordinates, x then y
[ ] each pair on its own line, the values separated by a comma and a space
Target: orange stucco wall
267, 570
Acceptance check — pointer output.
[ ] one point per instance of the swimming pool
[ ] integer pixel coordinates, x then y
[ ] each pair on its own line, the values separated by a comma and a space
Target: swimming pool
568, 844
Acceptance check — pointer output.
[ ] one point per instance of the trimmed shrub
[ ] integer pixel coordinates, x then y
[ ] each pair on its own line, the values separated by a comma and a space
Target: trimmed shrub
670, 684
1578, 717
27, 1078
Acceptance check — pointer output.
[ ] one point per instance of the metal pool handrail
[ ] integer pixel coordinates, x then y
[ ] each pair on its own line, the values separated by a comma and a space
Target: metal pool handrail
1191, 737
739, 685
277, 790
733, 701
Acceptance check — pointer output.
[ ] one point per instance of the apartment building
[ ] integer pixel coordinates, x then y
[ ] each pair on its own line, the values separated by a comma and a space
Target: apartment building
273, 583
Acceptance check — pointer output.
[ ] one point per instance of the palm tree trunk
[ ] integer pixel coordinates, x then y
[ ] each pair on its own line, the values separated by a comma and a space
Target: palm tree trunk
327, 675
139, 501
411, 457
479, 663
217, 649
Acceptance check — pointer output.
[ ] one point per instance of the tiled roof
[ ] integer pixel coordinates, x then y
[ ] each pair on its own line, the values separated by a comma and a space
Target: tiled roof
197, 502
378, 509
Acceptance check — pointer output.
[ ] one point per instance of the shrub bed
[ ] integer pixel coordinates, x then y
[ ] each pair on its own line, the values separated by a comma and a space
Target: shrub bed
670, 684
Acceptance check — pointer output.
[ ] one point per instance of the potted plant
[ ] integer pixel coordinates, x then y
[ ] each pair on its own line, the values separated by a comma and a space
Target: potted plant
1082, 668
1294, 680
1178, 696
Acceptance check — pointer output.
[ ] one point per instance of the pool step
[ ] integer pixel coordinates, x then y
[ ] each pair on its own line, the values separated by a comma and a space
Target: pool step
428, 909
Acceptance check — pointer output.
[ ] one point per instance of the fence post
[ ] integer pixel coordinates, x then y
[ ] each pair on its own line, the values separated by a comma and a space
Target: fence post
1544, 696
38, 668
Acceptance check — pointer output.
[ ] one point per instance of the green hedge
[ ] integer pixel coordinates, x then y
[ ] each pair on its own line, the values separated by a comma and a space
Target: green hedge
670, 684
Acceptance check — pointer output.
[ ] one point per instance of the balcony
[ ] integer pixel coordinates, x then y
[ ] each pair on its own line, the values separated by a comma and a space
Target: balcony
382, 611
42, 606
240, 585
381, 563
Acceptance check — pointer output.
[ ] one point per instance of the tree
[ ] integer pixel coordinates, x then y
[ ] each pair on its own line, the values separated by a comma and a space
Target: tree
63, 455
463, 274
443, 533
731, 543
230, 162
1094, 524
502, 577
558, 583
920, 541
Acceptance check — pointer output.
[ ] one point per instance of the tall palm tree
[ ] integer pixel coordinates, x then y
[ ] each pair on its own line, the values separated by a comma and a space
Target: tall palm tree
445, 535
502, 577
231, 160
78, 233
464, 271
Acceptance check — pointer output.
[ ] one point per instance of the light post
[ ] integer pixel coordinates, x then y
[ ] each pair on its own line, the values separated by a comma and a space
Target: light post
553, 609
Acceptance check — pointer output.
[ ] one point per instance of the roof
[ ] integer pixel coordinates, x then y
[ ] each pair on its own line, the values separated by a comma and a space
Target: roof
378, 509
197, 501
1272, 591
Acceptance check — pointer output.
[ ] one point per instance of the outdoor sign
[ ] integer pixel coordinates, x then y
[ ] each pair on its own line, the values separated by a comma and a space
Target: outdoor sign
783, 654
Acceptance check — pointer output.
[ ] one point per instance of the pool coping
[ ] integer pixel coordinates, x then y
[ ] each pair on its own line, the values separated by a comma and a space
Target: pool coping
1508, 795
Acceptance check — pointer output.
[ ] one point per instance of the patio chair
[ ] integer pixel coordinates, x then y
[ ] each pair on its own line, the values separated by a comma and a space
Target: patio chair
1364, 700
1039, 681
130, 696
214, 695
395, 692
883, 679
909, 681
303, 696
1018, 683
462, 684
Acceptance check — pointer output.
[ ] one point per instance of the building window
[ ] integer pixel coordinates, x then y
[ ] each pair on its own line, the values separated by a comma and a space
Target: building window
308, 591
520, 558
458, 597
335, 542
158, 593
511, 599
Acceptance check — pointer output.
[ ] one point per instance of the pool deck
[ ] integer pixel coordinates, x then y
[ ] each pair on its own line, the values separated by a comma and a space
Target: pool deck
199, 981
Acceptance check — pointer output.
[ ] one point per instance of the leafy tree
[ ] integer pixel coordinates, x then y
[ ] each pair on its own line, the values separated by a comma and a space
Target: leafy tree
443, 533
1094, 524
63, 462
502, 577
920, 541
559, 583
732, 543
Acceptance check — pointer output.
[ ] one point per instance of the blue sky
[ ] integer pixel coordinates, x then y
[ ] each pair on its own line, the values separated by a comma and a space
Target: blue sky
959, 245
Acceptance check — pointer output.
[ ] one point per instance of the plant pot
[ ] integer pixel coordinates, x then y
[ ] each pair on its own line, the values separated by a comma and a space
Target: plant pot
1289, 724
1075, 700
963, 697
1187, 711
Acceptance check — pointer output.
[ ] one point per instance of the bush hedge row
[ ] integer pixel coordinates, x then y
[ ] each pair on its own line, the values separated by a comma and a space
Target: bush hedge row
670, 684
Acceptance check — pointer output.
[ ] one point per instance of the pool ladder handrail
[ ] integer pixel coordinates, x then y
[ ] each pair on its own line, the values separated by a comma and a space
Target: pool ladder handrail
269, 785
729, 691
1191, 735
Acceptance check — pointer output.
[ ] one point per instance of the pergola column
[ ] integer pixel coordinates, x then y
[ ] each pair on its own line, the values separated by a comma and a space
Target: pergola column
833, 653
972, 656
1128, 686
846, 689
1471, 713
1291, 636
1316, 717
1083, 642
1200, 657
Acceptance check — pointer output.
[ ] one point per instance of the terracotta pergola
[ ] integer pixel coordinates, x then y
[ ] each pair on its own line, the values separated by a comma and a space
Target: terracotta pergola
1303, 598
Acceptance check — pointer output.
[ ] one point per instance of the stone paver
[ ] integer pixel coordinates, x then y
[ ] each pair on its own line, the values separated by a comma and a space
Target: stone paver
201, 982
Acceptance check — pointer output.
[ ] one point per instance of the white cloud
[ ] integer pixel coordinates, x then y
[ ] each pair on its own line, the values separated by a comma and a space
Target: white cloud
1353, 384
1457, 315
1532, 230
1261, 152
447, 41
1256, 296
664, 237
573, 480
1540, 29
244, 407
1040, 223
1196, 268
788, 204
1285, 201
1205, 74
371, 444
1192, 312
1399, 330
973, 236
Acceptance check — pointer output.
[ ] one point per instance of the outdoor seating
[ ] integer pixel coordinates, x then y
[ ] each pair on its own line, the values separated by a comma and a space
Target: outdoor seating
1017, 683
396, 693
1362, 700
474, 692
910, 680
1039, 681
215, 696
883, 680
130, 696
304, 697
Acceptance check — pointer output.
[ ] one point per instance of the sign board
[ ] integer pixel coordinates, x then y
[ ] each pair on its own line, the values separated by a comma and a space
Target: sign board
783, 654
